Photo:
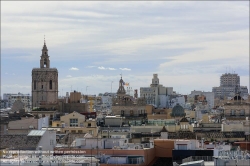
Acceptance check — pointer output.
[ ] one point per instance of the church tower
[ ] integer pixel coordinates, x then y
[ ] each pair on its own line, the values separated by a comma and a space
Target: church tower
44, 82
121, 91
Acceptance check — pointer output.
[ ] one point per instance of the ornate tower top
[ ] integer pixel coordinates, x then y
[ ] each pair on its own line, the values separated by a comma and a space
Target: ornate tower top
155, 80
121, 89
44, 61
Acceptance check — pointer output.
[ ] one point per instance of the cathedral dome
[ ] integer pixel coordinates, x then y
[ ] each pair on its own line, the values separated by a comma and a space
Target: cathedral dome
178, 111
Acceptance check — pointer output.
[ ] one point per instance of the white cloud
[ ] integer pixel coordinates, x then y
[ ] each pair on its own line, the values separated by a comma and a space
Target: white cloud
68, 76
125, 69
107, 68
90, 66
73, 68
14, 88
101, 68
110, 68
151, 33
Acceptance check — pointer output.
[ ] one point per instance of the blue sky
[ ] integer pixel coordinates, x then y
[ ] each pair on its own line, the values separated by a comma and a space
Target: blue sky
189, 44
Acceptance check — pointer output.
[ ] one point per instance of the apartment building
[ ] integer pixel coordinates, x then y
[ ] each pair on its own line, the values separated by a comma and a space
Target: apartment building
76, 123
209, 97
10, 98
152, 94
229, 85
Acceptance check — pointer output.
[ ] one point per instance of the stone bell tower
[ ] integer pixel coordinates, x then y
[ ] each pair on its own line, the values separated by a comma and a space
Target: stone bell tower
44, 82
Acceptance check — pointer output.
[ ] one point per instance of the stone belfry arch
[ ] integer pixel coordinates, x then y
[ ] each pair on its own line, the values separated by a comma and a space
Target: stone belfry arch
44, 61
44, 82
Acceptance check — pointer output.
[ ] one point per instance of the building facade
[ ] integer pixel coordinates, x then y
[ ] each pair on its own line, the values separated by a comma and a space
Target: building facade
229, 85
11, 98
209, 97
156, 93
44, 82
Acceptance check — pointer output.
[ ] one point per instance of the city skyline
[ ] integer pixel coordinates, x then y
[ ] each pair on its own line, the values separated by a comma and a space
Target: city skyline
188, 44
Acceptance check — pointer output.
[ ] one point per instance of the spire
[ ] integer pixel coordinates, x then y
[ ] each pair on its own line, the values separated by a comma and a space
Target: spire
44, 61
121, 89
44, 45
44, 40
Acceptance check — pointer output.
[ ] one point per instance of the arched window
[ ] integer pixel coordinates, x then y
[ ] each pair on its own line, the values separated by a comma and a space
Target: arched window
50, 84
45, 62
34, 85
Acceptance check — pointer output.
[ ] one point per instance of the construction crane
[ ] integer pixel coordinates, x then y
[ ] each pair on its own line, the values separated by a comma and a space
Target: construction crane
90, 101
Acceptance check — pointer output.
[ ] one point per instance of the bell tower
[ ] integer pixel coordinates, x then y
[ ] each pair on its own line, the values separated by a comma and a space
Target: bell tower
121, 91
44, 61
44, 82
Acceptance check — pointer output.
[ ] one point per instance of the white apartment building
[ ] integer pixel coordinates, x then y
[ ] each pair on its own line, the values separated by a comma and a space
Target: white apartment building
24, 98
4, 104
209, 96
156, 94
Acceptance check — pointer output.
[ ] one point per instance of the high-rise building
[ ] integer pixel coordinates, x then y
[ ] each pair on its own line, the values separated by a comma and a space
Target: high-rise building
44, 81
156, 94
229, 86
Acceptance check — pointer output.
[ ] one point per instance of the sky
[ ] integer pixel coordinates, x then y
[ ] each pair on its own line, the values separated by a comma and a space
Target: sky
188, 44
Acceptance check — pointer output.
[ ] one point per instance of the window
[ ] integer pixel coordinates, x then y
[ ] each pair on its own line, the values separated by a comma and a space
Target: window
50, 84
232, 112
34, 85
79, 131
45, 62
90, 132
182, 147
51, 142
89, 124
42, 86
242, 112
73, 122
73, 131
131, 112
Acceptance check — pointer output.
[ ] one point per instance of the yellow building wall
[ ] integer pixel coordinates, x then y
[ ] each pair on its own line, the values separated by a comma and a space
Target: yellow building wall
234, 127
149, 109
66, 118
56, 124
175, 128
205, 118
93, 130
84, 126
190, 114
